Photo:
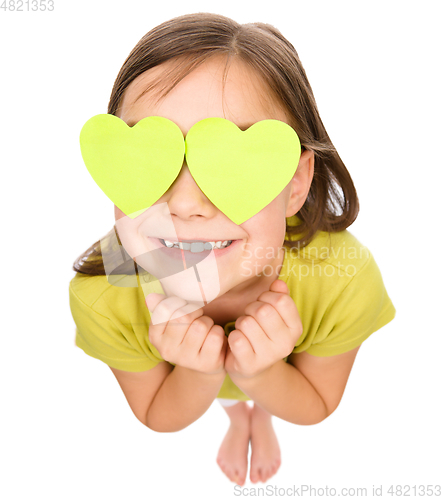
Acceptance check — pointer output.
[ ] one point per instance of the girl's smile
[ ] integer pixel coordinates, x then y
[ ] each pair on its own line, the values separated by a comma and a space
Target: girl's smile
184, 213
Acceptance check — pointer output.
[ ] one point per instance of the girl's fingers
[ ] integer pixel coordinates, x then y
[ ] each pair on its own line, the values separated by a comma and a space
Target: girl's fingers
196, 334
240, 345
284, 304
152, 300
186, 310
161, 307
170, 332
180, 332
274, 313
176, 329
252, 331
215, 345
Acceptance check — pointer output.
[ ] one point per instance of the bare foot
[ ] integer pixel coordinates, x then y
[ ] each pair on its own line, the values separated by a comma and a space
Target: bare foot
233, 453
265, 450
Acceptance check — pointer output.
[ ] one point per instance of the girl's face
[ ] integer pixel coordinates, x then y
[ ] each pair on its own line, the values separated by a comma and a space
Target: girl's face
184, 211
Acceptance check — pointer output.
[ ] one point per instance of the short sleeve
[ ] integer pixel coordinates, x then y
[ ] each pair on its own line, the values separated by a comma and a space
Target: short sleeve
100, 338
360, 309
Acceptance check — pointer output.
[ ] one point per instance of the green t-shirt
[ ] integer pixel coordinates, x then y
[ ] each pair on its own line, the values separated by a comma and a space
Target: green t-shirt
335, 283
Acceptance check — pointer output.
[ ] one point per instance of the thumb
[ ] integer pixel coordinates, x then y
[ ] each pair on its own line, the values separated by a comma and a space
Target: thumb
152, 300
279, 286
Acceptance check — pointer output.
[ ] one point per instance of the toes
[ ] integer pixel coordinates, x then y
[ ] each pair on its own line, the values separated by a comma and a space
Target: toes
254, 476
264, 474
233, 475
273, 469
224, 467
239, 478
236, 476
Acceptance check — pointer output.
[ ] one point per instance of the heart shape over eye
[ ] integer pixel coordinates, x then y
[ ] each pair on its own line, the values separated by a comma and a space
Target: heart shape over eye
134, 166
239, 171
242, 171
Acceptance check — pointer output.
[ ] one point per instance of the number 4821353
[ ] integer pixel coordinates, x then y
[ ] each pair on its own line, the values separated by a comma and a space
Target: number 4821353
27, 5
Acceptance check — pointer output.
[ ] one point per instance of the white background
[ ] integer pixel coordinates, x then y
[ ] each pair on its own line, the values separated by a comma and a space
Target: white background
66, 428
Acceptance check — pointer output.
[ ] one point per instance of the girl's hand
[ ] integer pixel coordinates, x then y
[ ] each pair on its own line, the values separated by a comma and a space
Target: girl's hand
265, 335
183, 336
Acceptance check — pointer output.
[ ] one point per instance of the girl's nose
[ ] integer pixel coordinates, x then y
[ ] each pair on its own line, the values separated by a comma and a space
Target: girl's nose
186, 200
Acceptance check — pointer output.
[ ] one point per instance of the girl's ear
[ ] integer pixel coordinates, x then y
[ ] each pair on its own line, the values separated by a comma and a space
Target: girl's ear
301, 182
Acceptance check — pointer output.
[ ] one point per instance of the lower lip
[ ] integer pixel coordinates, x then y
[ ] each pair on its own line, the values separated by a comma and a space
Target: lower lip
177, 252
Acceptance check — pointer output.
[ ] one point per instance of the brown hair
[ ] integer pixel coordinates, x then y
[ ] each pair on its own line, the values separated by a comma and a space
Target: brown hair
189, 41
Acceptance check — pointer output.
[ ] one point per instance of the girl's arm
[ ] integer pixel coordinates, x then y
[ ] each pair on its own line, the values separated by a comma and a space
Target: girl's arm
167, 398
305, 390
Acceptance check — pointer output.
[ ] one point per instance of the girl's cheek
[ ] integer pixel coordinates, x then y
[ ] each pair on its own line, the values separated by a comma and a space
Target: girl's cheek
118, 214
132, 242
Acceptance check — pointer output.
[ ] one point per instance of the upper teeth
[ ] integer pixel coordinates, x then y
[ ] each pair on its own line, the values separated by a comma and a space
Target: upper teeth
197, 246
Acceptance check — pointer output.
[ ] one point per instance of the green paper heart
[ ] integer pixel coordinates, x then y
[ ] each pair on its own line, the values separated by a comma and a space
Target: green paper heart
239, 171
134, 166
242, 171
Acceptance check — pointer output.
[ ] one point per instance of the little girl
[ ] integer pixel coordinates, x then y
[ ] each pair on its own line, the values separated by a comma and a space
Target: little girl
296, 294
